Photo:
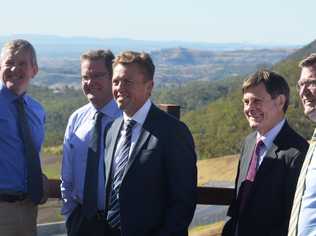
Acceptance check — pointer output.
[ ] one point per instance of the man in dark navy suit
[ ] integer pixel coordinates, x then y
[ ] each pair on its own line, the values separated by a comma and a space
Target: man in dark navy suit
151, 171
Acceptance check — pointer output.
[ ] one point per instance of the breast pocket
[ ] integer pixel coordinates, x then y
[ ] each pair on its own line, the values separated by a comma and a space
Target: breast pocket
147, 156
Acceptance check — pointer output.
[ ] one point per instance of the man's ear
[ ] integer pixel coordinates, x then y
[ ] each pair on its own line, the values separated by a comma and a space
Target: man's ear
35, 71
150, 86
281, 101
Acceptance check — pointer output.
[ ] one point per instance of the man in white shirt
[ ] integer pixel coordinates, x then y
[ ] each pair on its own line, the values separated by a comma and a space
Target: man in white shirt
83, 175
151, 171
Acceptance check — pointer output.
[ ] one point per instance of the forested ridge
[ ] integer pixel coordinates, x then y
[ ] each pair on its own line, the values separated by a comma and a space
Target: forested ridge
211, 109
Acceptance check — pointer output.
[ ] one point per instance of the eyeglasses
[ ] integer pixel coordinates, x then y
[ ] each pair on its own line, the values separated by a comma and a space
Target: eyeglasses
86, 78
306, 84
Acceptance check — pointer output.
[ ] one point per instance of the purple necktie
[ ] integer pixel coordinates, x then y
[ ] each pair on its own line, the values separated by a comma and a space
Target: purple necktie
252, 170
251, 174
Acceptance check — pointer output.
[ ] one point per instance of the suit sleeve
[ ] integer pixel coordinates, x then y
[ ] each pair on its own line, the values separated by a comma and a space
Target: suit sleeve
293, 171
181, 171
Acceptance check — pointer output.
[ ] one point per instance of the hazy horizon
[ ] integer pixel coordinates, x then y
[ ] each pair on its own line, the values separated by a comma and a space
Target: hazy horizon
282, 22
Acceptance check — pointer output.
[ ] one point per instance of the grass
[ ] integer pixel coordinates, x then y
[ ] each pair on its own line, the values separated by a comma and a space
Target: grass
217, 169
207, 230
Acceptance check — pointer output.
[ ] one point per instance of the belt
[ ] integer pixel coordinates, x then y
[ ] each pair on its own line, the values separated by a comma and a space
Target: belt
12, 197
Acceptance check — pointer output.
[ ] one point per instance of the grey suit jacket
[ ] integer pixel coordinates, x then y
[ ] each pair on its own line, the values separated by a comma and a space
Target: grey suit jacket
267, 210
158, 191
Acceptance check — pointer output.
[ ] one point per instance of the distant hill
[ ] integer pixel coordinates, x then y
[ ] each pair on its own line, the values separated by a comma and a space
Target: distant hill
178, 66
189, 56
311, 47
175, 66
53, 46
220, 127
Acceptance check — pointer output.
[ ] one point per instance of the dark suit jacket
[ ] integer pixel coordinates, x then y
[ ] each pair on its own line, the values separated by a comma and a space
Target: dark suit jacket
158, 191
267, 211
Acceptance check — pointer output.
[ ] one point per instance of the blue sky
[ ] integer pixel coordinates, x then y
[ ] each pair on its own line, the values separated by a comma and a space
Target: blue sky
254, 21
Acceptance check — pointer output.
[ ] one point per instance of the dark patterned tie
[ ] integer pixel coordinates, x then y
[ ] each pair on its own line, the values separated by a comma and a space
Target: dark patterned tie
251, 174
33, 165
90, 195
121, 159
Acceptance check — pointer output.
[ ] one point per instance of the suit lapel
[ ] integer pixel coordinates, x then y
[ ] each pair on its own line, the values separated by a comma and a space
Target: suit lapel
143, 137
247, 154
278, 141
272, 152
111, 149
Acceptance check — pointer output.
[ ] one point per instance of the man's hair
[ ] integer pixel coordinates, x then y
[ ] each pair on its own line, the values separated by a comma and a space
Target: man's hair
274, 83
100, 54
142, 59
308, 61
19, 45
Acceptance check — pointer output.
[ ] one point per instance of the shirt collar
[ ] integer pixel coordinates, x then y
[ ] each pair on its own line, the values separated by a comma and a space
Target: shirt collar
10, 96
141, 114
269, 137
110, 109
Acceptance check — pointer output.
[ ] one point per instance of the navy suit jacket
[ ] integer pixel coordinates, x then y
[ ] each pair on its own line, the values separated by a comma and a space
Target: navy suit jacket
267, 211
158, 191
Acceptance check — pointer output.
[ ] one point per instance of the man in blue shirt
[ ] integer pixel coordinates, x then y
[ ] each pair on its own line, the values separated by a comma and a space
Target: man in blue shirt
84, 211
303, 215
22, 134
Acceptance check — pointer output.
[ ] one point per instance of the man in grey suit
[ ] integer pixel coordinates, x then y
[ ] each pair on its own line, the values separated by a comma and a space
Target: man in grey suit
151, 170
303, 217
270, 161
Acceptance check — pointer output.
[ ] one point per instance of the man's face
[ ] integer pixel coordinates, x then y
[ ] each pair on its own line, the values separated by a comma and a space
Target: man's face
130, 88
307, 91
96, 82
261, 111
16, 70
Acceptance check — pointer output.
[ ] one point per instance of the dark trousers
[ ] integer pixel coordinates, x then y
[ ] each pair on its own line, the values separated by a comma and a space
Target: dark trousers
110, 231
78, 225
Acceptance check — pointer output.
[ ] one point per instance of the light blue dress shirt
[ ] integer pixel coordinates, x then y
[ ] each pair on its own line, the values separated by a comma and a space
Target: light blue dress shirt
307, 217
77, 137
268, 139
13, 175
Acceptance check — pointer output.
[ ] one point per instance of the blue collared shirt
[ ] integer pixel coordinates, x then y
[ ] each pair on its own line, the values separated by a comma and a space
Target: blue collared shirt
13, 175
77, 137
307, 216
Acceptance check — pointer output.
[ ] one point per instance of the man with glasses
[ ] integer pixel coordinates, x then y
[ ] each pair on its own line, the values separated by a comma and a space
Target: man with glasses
150, 159
83, 159
303, 215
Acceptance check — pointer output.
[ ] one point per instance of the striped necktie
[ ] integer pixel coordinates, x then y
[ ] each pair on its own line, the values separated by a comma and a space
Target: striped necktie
121, 159
33, 165
90, 194
300, 187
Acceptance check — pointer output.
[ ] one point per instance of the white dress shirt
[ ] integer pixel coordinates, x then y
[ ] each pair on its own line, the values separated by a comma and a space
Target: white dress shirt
139, 117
